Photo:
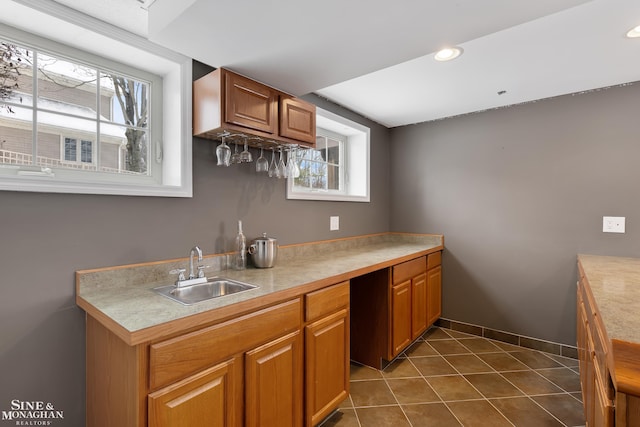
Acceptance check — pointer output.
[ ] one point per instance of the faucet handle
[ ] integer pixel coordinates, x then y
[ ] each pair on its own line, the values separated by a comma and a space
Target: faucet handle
201, 270
179, 272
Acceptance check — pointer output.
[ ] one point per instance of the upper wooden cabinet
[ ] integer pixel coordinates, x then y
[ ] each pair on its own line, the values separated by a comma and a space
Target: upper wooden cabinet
250, 104
225, 101
297, 119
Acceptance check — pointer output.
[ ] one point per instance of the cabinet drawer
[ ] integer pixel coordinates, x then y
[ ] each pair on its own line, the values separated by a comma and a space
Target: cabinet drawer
409, 269
326, 300
434, 260
179, 357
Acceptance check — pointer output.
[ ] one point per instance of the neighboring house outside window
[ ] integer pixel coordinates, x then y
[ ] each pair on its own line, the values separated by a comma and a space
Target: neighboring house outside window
62, 99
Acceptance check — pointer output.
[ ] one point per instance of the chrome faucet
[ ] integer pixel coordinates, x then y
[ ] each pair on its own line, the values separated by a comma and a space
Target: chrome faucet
192, 279
194, 250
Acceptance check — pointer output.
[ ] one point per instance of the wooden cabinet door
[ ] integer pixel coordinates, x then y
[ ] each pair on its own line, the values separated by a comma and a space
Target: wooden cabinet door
250, 104
400, 317
210, 398
434, 294
603, 407
273, 384
581, 335
297, 119
327, 365
418, 306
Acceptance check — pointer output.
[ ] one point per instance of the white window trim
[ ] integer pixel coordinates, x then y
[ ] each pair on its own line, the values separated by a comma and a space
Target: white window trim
51, 20
333, 195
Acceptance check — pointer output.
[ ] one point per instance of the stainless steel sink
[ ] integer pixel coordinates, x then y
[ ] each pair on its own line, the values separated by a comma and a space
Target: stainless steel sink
213, 288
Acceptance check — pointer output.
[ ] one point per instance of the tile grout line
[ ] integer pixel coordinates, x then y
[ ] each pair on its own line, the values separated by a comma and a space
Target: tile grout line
474, 387
460, 340
527, 395
436, 391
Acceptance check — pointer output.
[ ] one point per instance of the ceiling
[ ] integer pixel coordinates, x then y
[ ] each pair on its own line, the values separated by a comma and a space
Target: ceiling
376, 57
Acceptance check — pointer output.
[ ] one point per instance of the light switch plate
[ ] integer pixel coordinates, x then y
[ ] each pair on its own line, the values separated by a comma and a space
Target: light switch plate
613, 224
334, 223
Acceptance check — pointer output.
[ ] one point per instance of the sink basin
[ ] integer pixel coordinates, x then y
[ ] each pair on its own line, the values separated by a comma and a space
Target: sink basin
214, 287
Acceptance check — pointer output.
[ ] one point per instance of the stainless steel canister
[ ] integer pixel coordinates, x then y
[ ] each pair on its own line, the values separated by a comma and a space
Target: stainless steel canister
264, 251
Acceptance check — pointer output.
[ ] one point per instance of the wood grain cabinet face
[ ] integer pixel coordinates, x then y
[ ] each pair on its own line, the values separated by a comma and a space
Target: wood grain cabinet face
208, 399
434, 294
400, 317
297, 119
597, 391
419, 305
250, 104
412, 310
273, 384
327, 351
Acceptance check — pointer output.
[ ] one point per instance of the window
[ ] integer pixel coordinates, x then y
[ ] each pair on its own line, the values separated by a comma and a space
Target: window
72, 120
322, 169
72, 154
338, 168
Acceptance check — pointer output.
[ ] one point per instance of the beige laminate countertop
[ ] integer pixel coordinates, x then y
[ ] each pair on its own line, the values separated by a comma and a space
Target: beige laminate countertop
125, 302
615, 284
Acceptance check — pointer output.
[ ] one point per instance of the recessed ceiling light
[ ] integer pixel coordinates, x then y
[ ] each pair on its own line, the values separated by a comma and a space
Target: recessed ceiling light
634, 32
447, 54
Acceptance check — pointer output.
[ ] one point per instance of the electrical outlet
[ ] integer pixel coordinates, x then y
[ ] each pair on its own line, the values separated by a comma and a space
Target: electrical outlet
613, 224
334, 223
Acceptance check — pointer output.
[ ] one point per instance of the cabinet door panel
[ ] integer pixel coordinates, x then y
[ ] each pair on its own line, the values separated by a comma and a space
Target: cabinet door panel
400, 317
297, 119
207, 399
250, 104
434, 297
603, 407
327, 365
274, 383
418, 306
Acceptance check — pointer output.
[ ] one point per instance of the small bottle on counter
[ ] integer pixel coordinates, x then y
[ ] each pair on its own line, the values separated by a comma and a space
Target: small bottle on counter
240, 261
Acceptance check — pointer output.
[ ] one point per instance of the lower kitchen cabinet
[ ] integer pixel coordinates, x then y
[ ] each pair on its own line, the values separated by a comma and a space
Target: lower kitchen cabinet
604, 405
284, 365
434, 287
409, 293
273, 383
401, 317
327, 351
207, 399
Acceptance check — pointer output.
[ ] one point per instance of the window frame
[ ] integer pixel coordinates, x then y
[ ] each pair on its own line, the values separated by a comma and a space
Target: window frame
169, 73
357, 132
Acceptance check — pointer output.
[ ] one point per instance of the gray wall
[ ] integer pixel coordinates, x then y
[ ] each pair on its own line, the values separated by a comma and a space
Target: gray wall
518, 193
47, 237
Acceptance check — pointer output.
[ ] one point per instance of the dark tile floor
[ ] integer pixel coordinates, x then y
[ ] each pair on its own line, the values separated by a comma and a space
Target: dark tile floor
448, 378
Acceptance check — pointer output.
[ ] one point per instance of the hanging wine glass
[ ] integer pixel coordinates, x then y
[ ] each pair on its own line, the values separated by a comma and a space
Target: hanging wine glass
262, 164
282, 167
273, 169
245, 156
235, 157
292, 164
223, 153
